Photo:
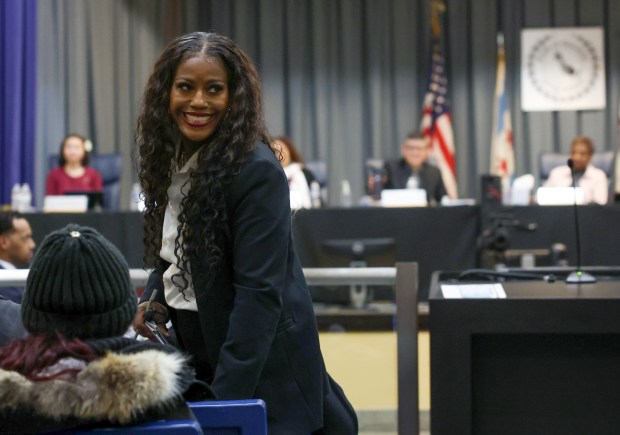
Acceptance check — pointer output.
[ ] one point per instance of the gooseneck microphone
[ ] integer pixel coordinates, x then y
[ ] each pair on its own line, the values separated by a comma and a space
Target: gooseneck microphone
578, 276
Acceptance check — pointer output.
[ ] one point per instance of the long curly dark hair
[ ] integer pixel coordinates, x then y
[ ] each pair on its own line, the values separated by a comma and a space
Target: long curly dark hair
203, 217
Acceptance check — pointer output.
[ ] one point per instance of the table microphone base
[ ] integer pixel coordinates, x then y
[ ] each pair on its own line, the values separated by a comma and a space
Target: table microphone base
579, 277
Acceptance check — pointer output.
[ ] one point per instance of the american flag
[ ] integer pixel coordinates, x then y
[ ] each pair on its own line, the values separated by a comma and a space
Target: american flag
502, 151
436, 119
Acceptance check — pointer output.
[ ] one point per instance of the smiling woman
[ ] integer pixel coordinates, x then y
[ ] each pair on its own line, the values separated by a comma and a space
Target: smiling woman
218, 229
199, 99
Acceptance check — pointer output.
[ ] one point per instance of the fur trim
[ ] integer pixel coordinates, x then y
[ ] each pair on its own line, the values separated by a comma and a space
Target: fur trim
116, 388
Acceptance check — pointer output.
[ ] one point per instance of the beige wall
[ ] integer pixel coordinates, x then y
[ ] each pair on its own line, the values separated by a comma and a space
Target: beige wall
365, 365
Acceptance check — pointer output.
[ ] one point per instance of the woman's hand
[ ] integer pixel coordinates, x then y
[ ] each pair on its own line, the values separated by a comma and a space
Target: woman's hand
156, 314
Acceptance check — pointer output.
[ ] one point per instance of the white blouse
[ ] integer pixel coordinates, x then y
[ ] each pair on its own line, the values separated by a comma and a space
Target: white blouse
298, 185
174, 297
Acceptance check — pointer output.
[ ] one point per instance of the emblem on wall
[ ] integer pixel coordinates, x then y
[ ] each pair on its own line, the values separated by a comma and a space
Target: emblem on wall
562, 69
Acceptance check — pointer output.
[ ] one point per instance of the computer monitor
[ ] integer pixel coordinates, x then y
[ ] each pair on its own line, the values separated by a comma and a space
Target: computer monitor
363, 252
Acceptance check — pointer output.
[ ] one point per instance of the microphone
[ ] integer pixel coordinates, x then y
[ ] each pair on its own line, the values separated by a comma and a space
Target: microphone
578, 276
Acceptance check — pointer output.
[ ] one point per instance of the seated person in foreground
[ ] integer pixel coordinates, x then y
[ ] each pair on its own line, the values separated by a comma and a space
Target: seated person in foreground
299, 178
591, 179
413, 170
76, 368
73, 173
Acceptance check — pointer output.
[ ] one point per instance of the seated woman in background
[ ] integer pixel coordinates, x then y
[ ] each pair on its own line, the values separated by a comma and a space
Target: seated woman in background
73, 173
591, 179
76, 368
299, 178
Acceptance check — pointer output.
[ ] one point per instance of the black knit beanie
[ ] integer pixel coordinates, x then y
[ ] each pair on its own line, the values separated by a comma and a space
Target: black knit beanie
79, 286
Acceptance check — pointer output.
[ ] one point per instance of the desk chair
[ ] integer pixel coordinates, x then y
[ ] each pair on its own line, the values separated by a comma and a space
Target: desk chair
548, 160
319, 170
177, 427
240, 417
372, 168
109, 166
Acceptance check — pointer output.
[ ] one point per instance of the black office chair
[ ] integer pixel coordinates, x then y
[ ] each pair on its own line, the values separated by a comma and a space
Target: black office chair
110, 167
372, 167
319, 170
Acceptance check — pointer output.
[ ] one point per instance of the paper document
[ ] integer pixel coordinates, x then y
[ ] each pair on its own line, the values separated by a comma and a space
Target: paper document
473, 291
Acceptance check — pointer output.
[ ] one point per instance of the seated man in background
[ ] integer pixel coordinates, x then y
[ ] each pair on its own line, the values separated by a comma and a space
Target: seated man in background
16, 249
413, 170
592, 180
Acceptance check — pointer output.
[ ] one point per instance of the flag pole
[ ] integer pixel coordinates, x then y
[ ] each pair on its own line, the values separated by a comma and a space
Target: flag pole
502, 161
436, 123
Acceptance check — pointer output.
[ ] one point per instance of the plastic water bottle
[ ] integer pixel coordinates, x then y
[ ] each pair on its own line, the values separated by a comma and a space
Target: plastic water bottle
25, 199
315, 194
136, 203
506, 191
377, 187
16, 192
345, 194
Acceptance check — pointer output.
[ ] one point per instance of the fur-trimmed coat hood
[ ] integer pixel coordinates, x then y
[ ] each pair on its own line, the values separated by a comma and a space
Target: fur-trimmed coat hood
127, 385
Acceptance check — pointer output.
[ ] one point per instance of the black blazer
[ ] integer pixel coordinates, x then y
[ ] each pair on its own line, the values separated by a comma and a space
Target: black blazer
257, 318
398, 172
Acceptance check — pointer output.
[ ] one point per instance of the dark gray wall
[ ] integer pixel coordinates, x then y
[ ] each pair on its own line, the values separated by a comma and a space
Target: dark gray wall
344, 78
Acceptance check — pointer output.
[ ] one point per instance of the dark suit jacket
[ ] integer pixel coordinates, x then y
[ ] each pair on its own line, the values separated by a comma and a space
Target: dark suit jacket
398, 172
257, 318
11, 326
15, 294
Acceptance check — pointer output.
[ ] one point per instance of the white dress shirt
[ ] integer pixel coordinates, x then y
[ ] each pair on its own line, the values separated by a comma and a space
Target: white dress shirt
298, 185
174, 297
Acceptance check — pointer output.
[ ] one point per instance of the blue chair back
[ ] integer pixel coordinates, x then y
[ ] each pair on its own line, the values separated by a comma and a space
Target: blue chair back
110, 167
603, 160
239, 417
177, 427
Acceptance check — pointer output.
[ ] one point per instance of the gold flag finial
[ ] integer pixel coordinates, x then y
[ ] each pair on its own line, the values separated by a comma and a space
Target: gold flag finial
500, 44
437, 7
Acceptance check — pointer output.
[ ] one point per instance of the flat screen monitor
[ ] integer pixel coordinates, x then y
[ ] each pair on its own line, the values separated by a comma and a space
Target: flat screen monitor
375, 252
363, 252
95, 199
